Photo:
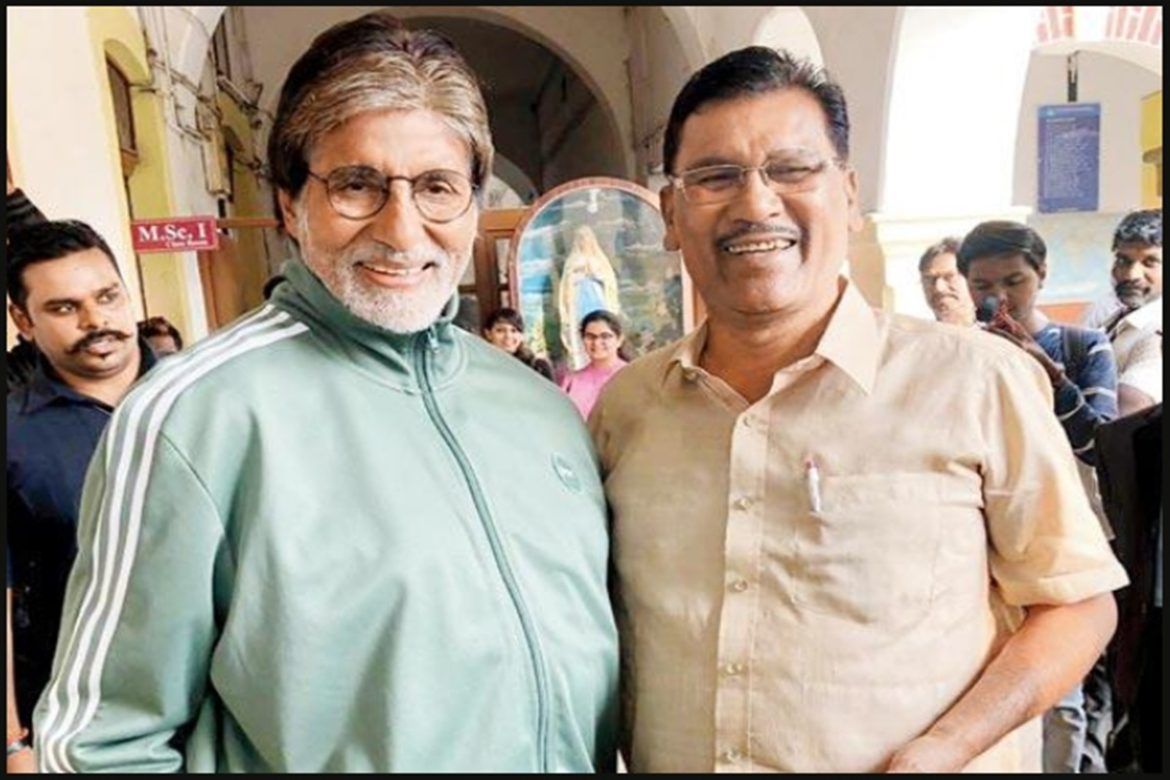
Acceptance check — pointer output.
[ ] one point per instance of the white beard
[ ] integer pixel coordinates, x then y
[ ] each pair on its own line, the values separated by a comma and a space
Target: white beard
396, 311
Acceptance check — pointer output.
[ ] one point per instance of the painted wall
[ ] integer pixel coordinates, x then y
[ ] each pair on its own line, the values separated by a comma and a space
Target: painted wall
67, 173
1119, 87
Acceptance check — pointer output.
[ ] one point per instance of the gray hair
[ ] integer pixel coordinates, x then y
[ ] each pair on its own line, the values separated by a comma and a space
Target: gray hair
367, 64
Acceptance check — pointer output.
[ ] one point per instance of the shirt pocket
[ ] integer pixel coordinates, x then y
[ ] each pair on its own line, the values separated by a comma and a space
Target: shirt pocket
870, 555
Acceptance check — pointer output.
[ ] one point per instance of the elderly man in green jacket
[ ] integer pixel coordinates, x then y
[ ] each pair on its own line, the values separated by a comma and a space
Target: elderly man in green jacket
343, 535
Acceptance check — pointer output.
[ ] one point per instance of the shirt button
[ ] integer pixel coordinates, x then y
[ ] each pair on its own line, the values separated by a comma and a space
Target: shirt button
731, 755
743, 503
732, 669
691, 374
739, 586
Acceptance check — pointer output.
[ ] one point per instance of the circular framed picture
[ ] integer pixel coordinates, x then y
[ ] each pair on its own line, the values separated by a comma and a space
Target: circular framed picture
592, 244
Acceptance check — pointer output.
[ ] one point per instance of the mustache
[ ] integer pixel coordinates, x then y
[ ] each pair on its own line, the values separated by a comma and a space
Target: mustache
1129, 286
96, 336
746, 229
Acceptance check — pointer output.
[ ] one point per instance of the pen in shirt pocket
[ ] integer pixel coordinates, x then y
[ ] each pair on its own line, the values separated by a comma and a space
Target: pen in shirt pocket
812, 480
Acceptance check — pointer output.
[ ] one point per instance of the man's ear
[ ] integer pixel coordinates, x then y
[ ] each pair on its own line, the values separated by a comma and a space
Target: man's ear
288, 214
1042, 272
852, 190
21, 319
666, 200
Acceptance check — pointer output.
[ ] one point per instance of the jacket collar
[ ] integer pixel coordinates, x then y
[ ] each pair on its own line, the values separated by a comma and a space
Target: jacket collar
387, 357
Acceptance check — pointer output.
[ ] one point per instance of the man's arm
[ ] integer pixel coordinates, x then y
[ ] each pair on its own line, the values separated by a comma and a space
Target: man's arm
22, 762
1130, 399
1047, 554
1140, 385
138, 625
1051, 652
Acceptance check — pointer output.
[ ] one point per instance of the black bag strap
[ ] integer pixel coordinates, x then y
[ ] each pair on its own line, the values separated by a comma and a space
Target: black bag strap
1075, 345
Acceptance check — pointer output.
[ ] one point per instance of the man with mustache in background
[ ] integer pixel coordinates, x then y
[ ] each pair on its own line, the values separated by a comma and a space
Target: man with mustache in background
68, 298
943, 286
1136, 329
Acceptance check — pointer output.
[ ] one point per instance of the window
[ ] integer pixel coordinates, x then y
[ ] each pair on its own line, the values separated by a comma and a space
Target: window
123, 117
219, 50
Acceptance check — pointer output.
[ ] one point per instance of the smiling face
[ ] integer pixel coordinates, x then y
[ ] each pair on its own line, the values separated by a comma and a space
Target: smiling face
79, 315
601, 343
1009, 278
762, 254
393, 268
506, 336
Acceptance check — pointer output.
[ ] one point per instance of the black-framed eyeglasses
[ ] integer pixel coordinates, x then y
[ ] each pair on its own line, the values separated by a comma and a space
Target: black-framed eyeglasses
360, 192
713, 184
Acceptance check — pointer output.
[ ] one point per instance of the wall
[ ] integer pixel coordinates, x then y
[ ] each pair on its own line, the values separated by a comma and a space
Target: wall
953, 107
659, 68
571, 132
857, 46
66, 173
1119, 87
117, 36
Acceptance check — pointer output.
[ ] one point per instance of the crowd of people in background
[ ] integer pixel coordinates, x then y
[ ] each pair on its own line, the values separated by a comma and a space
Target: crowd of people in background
792, 399
1106, 367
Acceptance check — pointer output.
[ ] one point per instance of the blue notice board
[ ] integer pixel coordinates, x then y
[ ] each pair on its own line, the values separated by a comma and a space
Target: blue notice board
1069, 172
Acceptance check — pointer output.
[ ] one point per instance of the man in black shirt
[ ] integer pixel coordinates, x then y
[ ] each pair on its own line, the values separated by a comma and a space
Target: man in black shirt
67, 297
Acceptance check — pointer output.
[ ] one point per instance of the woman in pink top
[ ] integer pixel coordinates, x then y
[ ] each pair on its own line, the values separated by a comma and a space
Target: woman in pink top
601, 333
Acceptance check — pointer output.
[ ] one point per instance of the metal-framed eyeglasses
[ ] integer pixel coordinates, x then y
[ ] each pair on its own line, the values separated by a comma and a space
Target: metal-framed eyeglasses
714, 184
359, 192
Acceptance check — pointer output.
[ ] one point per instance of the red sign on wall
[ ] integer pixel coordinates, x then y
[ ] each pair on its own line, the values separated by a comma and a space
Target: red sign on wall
179, 234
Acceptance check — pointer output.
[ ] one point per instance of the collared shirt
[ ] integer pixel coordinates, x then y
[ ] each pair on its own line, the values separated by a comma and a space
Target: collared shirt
1137, 343
52, 433
777, 619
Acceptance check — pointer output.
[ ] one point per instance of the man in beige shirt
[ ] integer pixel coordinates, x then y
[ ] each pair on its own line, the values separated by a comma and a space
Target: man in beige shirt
844, 540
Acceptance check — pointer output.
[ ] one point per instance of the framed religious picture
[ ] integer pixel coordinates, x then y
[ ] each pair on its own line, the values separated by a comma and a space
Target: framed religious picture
592, 244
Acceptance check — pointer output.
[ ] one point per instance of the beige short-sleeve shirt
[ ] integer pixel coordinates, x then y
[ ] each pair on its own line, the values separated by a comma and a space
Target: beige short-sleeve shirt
759, 633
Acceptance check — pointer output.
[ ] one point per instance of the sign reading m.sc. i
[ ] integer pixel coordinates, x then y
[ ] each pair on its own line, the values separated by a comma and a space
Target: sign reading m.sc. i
1068, 178
177, 234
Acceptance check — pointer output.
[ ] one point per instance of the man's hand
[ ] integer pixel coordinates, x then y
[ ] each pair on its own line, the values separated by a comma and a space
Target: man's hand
1005, 326
931, 753
22, 763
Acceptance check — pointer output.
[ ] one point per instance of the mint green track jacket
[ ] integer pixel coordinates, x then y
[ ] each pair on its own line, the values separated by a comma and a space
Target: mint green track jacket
307, 544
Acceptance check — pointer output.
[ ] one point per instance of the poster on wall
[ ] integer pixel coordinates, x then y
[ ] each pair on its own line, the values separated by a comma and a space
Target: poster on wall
593, 244
1069, 159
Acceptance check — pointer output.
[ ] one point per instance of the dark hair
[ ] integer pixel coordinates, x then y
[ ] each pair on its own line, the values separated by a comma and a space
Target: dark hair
43, 241
753, 71
505, 314
373, 62
1139, 227
947, 246
601, 315
160, 326
998, 238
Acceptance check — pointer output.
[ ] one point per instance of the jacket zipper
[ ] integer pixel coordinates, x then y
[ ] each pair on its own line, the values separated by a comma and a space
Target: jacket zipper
535, 654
